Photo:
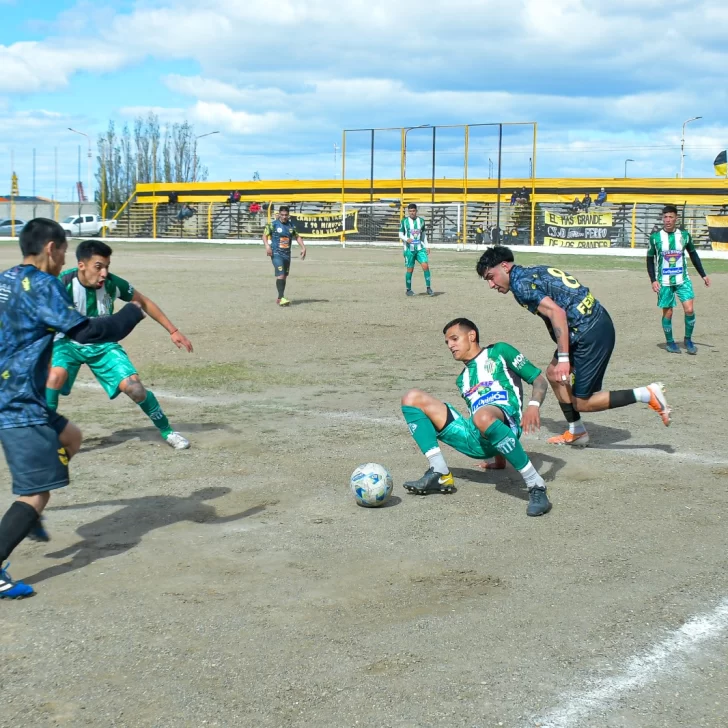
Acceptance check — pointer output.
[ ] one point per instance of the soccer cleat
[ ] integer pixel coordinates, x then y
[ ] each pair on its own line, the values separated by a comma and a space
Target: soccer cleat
568, 438
658, 401
430, 292
10, 589
672, 348
431, 482
538, 502
690, 347
283, 302
410, 292
38, 532
177, 441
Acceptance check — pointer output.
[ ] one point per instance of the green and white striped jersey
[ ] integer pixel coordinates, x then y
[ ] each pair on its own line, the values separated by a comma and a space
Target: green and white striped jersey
494, 378
670, 249
412, 232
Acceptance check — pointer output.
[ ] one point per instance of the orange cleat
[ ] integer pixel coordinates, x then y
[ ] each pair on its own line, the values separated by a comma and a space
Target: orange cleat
658, 401
581, 440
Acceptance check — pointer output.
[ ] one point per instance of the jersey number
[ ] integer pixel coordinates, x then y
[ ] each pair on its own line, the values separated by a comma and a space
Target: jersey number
567, 280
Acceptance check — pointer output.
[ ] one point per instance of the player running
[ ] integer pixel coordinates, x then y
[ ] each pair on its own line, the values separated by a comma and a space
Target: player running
38, 442
413, 235
668, 246
490, 384
277, 237
93, 290
584, 335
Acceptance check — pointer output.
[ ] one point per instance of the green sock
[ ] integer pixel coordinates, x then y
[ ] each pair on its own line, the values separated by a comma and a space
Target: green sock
151, 409
689, 325
427, 277
421, 429
506, 443
667, 328
52, 398
408, 279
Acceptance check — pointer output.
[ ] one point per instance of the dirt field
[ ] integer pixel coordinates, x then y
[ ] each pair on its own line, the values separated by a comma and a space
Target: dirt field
238, 584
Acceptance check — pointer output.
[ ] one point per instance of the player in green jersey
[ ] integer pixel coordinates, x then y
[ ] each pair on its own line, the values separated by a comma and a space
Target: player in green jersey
490, 384
93, 290
413, 235
669, 246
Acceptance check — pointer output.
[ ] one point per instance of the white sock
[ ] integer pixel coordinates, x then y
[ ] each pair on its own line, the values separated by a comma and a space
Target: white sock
531, 476
437, 462
642, 394
577, 428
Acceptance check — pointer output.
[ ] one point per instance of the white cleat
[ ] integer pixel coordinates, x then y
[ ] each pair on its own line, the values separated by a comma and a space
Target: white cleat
177, 441
658, 402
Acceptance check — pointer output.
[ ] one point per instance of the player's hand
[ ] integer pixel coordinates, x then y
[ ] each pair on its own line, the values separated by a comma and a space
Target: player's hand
706, 280
269, 251
303, 253
181, 341
531, 420
656, 286
562, 372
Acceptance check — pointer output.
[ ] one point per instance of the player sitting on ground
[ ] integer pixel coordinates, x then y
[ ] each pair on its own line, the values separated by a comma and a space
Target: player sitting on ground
584, 335
413, 235
490, 384
93, 290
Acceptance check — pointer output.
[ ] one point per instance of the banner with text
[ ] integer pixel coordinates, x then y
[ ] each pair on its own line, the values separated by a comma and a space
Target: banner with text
582, 230
326, 226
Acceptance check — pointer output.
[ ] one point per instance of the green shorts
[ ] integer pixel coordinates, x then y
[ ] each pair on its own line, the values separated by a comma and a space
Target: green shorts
666, 296
462, 435
109, 363
415, 256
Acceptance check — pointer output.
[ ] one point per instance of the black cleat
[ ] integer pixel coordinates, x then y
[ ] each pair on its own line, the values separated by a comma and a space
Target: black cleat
431, 482
538, 502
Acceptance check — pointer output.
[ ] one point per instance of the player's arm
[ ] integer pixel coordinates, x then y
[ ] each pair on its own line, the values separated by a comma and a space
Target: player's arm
151, 309
651, 266
695, 258
266, 240
560, 326
403, 236
299, 240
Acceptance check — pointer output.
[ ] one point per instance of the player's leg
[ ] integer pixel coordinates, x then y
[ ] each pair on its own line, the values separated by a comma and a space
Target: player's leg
591, 358
38, 464
576, 435
280, 268
492, 424
409, 267
687, 296
426, 416
425, 263
666, 301
65, 365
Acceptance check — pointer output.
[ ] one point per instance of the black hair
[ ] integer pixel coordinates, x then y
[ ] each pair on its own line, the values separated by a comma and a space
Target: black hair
411, 206
37, 233
669, 208
88, 248
492, 257
284, 207
463, 323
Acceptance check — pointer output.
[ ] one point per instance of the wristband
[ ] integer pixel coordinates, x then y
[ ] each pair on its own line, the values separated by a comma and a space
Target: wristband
535, 403
563, 357
173, 332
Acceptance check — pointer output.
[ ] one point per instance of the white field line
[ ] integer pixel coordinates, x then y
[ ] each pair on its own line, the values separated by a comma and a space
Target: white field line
663, 659
363, 417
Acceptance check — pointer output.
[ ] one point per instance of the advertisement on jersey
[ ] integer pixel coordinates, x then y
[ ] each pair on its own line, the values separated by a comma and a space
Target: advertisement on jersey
582, 230
481, 395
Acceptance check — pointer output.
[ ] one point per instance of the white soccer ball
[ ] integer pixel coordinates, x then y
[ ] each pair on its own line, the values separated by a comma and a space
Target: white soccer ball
371, 485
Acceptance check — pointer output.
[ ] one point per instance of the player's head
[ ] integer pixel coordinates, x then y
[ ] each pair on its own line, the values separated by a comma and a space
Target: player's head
412, 210
462, 338
283, 212
94, 259
669, 218
45, 241
494, 267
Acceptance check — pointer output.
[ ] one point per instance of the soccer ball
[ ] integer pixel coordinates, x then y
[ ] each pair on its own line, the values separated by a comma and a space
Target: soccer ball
371, 485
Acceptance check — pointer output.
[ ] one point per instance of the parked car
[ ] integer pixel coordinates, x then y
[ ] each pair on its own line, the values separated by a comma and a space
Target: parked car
86, 225
6, 227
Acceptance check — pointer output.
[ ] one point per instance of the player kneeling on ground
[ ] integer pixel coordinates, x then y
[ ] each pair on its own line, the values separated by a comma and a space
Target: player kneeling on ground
490, 384
93, 291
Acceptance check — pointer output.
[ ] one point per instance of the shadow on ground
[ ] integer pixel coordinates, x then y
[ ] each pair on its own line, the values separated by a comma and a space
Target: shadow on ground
603, 437
150, 434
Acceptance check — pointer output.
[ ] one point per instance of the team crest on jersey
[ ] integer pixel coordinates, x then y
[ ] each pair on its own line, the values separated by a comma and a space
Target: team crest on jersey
26, 284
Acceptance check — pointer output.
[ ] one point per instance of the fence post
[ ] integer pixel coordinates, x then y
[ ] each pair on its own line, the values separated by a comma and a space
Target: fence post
154, 220
209, 220
634, 223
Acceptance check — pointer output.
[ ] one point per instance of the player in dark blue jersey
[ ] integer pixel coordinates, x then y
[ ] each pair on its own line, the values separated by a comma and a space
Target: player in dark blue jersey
38, 443
278, 237
584, 335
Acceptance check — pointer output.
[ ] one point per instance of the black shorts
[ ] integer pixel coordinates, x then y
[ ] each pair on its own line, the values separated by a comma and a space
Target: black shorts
281, 265
590, 355
36, 459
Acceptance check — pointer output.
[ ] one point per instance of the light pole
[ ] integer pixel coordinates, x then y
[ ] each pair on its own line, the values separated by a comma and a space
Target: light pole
404, 146
682, 143
625, 166
88, 139
194, 154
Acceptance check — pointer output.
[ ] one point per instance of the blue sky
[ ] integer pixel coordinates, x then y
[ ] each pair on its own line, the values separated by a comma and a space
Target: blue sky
606, 82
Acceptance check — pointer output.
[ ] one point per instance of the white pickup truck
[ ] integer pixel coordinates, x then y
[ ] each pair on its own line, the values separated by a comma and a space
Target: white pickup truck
86, 225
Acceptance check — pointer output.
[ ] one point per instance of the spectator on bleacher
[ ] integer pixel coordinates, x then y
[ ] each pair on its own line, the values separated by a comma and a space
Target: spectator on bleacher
586, 202
254, 208
514, 197
575, 206
479, 235
234, 197
601, 198
523, 196
185, 213
494, 233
